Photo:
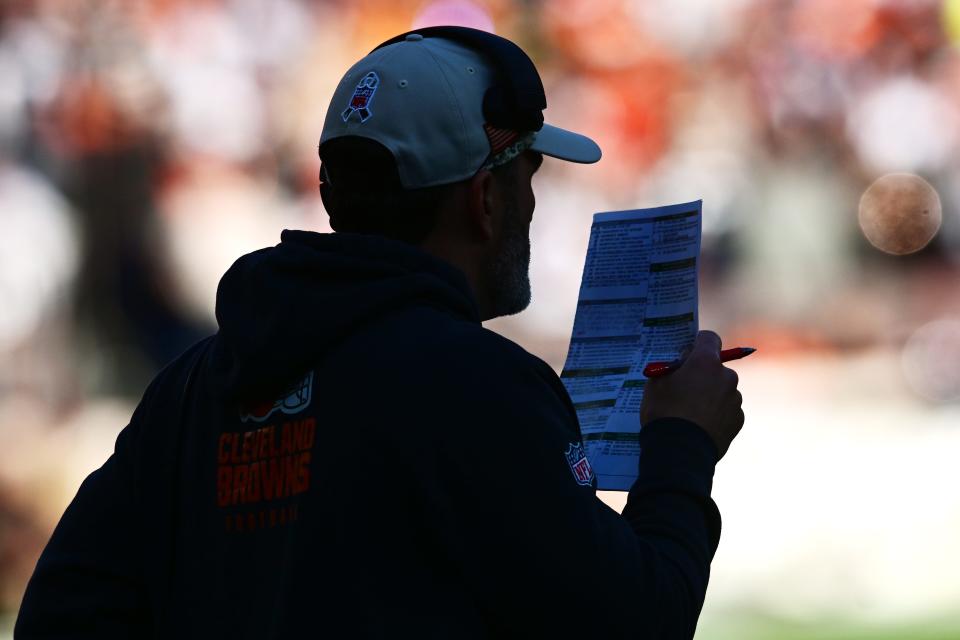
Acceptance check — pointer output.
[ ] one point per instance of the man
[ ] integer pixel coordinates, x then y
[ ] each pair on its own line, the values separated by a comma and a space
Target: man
353, 454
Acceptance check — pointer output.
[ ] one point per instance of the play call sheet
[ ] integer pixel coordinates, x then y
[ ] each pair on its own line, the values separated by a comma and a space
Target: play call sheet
638, 304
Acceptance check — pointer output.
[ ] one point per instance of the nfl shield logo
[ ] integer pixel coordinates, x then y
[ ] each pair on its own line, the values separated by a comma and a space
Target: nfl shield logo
577, 459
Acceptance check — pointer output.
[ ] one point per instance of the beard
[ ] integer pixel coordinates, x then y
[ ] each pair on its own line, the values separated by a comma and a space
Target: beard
510, 269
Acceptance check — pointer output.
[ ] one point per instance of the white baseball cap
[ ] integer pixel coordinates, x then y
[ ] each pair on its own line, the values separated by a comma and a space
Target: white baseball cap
446, 102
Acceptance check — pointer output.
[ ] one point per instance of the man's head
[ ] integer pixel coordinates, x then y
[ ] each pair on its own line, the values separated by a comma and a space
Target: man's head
433, 139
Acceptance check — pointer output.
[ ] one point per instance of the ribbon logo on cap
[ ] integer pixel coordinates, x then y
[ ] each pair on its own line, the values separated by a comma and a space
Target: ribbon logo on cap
362, 97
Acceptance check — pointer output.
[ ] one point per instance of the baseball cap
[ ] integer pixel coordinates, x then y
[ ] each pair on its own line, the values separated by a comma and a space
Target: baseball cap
447, 102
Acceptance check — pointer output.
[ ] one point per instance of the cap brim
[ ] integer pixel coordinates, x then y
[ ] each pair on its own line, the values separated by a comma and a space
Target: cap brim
566, 145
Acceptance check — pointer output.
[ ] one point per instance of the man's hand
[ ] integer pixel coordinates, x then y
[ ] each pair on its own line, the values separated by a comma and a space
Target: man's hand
702, 391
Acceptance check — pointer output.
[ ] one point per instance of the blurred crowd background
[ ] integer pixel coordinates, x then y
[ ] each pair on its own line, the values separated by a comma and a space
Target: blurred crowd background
146, 144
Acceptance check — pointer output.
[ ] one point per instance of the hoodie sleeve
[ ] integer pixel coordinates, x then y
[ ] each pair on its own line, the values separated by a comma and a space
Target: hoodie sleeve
541, 552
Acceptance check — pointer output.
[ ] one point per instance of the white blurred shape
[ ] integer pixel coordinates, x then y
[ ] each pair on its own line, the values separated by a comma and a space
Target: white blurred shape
931, 360
462, 13
41, 56
559, 235
281, 29
38, 251
904, 125
714, 176
709, 157
218, 111
800, 87
210, 220
795, 245
692, 27
207, 68
31, 66
198, 34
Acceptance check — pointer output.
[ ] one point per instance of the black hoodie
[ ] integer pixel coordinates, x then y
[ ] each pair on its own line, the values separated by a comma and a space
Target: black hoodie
354, 456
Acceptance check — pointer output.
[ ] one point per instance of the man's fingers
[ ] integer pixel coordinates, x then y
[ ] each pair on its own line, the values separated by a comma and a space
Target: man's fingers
704, 351
707, 342
733, 378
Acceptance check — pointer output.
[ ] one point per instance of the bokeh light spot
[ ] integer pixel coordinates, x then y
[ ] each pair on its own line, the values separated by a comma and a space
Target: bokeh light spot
931, 360
904, 124
900, 213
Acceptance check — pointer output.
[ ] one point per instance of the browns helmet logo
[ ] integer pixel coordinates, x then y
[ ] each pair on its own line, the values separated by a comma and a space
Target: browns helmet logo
294, 400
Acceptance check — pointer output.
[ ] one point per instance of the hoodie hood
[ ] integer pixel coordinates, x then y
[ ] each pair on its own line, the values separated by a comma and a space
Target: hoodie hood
280, 308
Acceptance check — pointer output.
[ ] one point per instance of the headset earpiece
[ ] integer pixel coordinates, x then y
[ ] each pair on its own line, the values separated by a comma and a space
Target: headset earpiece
517, 101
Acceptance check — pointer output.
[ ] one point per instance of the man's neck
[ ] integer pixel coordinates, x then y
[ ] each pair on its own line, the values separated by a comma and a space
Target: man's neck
470, 263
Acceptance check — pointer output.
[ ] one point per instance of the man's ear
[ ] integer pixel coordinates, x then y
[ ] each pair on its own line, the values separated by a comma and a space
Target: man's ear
481, 204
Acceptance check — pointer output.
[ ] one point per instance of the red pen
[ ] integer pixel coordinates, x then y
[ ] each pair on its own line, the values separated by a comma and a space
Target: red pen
657, 369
